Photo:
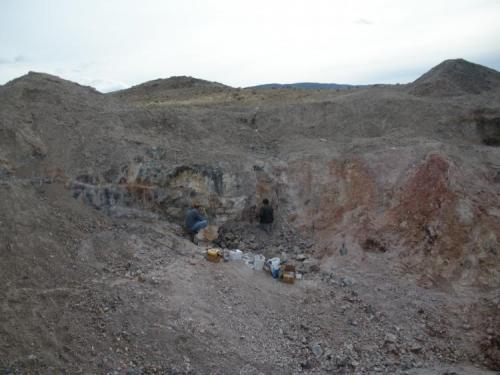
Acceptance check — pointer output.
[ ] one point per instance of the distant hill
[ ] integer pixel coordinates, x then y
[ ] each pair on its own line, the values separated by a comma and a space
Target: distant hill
303, 85
175, 83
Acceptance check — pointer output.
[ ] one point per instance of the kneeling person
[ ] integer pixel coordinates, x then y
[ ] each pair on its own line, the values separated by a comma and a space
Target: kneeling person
194, 220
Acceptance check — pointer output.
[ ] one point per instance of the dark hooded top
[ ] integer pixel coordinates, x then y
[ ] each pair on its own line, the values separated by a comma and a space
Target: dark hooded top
266, 215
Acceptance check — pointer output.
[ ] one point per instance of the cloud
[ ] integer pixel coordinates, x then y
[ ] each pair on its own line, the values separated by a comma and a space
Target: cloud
105, 85
20, 58
84, 67
15, 60
363, 21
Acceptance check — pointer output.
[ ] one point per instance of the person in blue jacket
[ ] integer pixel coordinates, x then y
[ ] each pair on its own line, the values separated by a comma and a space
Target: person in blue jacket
194, 220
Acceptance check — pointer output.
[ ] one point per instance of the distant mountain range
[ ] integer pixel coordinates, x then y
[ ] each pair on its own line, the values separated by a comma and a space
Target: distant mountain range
303, 85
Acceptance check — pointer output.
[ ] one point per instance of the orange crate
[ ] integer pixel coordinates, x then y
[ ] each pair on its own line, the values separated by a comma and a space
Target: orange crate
289, 277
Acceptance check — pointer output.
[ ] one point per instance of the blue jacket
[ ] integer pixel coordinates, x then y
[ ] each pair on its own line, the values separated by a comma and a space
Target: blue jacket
193, 216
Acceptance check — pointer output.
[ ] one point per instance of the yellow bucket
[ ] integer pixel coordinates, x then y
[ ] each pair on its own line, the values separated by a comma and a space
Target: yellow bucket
213, 255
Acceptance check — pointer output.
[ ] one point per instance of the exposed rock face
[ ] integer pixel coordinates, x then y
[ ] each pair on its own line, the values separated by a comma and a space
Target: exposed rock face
388, 183
161, 190
444, 224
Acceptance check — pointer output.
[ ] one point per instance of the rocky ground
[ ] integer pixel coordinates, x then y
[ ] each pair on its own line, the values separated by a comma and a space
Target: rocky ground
385, 197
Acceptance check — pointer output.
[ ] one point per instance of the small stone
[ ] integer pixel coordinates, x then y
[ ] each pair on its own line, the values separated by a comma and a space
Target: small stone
347, 281
390, 338
416, 348
306, 365
301, 257
349, 346
317, 350
343, 250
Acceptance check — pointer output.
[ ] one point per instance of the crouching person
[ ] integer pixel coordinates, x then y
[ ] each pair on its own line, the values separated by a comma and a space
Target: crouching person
195, 221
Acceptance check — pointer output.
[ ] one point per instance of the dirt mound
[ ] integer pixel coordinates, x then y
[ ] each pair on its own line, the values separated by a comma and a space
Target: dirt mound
454, 78
174, 83
34, 86
180, 87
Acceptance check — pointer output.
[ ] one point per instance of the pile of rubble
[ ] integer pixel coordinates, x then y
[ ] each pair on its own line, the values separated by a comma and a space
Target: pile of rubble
282, 242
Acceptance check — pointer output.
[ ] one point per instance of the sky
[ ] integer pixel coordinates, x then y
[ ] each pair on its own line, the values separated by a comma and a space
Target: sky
114, 44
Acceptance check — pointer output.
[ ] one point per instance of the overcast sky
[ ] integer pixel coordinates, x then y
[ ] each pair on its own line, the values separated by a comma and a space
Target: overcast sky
111, 44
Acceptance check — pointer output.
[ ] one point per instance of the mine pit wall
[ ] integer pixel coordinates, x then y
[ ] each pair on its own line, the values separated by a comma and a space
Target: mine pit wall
448, 234
441, 226
427, 213
152, 190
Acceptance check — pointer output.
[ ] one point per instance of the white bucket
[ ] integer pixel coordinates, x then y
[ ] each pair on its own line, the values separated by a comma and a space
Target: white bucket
235, 254
248, 259
274, 263
258, 262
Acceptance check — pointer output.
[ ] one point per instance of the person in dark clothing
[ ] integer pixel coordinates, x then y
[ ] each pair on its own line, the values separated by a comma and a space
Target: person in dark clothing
266, 216
194, 220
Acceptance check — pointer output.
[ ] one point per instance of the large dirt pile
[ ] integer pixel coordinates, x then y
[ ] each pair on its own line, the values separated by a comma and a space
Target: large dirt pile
173, 88
98, 277
456, 77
